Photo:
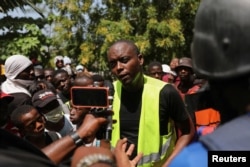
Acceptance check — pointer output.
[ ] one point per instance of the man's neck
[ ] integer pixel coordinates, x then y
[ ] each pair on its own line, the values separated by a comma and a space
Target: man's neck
136, 84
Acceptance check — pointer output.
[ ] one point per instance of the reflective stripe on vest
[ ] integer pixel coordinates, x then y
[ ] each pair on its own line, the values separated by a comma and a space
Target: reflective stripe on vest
157, 159
154, 147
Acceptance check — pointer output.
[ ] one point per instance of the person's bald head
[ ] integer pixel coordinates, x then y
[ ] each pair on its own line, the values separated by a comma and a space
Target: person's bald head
102, 157
83, 80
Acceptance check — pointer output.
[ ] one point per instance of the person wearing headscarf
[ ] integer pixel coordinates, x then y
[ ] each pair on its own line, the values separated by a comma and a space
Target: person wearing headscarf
59, 62
67, 67
19, 74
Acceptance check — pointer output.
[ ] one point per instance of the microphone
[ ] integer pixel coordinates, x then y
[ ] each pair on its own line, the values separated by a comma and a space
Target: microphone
111, 92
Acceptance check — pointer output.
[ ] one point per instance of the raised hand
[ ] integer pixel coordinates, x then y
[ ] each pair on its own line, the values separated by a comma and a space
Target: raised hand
122, 156
90, 126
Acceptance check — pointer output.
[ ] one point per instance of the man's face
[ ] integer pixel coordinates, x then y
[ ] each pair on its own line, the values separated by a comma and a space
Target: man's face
125, 63
39, 74
62, 82
27, 74
174, 63
184, 73
77, 114
48, 75
156, 72
59, 64
33, 123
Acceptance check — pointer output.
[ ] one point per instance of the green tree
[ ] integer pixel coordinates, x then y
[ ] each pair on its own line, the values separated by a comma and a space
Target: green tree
84, 29
71, 21
161, 28
22, 35
6, 5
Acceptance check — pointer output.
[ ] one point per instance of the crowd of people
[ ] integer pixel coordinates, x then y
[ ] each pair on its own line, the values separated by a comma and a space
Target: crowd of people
172, 114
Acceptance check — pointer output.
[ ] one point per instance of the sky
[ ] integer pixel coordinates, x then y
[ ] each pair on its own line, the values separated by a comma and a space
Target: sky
17, 12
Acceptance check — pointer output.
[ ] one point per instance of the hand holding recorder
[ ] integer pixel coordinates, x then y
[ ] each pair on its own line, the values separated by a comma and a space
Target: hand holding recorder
99, 100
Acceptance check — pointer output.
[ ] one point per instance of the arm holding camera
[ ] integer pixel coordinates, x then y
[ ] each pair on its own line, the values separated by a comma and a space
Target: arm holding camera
59, 149
99, 99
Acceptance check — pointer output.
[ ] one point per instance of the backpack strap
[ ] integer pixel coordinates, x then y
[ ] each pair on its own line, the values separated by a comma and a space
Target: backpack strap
233, 135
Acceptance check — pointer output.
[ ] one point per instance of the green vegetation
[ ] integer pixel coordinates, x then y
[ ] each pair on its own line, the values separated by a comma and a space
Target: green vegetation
84, 29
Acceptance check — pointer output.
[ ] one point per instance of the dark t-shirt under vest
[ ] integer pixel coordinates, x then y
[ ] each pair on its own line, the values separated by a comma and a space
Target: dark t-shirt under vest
171, 105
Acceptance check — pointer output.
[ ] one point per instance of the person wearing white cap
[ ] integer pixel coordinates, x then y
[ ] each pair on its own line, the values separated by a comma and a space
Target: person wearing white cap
169, 75
67, 65
66, 60
79, 68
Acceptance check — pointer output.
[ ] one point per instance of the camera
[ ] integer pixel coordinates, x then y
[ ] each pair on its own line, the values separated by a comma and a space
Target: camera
90, 97
99, 100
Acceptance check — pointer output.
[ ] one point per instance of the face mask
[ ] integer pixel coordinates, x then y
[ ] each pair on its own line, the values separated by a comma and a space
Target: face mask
54, 115
25, 83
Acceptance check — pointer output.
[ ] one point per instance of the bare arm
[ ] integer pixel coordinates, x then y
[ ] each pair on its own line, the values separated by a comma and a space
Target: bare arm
187, 133
59, 149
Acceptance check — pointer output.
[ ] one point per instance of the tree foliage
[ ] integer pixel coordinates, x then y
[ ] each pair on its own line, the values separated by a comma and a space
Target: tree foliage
7, 5
21, 35
83, 30
162, 29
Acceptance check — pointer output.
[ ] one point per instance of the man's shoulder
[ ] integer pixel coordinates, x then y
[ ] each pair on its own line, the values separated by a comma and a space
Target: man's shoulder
19, 99
153, 83
169, 89
238, 141
15, 150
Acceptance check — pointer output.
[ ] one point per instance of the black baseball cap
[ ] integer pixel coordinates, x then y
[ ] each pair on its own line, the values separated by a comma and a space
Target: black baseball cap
43, 97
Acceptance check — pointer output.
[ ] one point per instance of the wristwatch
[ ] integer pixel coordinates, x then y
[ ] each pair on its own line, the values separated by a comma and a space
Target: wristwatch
76, 138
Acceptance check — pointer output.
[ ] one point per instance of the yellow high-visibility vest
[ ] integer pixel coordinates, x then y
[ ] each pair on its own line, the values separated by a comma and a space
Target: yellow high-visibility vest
155, 148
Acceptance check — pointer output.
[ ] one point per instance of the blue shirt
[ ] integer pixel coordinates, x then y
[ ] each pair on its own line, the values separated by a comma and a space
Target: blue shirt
194, 155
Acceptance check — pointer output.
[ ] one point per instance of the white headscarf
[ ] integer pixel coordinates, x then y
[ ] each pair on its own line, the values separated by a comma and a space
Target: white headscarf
15, 64
66, 60
58, 58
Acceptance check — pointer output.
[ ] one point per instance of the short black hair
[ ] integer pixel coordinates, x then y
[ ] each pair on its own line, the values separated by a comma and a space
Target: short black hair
97, 77
40, 85
59, 71
15, 116
154, 63
131, 43
81, 79
56, 72
49, 69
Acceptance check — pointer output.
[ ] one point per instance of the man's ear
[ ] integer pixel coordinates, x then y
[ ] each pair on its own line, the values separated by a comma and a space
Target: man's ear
141, 59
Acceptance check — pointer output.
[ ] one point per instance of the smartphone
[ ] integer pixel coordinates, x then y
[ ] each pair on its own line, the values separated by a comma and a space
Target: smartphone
90, 97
